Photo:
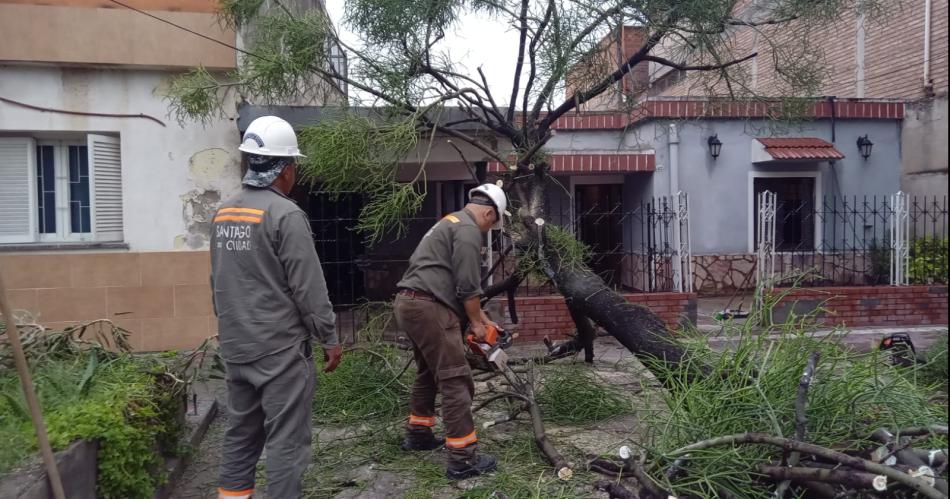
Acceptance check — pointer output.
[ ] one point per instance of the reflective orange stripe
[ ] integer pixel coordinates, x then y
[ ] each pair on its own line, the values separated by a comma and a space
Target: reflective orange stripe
458, 443
250, 211
452, 218
421, 420
237, 218
234, 493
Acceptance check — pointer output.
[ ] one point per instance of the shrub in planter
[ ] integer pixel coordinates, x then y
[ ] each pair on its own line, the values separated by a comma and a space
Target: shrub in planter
928, 260
133, 405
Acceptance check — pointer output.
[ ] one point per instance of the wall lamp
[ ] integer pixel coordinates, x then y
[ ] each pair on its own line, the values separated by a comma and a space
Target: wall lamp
864, 146
715, 145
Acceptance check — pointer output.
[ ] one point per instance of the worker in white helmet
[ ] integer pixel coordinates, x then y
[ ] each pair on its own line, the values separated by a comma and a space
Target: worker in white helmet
270, 296
441, 287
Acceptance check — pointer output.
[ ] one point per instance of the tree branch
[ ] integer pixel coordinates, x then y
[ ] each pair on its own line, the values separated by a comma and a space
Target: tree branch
801, 405
705, 67
581, 97
523, 36
857, 463
555, 77
847, 477
532, 49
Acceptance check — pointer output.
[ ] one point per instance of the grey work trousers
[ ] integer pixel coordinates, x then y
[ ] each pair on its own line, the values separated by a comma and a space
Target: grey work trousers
270, 403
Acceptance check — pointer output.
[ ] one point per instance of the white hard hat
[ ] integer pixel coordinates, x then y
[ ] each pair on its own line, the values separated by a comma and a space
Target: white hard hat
270, 136
498, 198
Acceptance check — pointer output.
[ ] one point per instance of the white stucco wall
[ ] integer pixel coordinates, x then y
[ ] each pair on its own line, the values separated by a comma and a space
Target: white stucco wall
171, 175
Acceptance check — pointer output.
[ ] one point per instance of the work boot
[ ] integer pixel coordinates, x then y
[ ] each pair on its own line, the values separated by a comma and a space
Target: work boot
477, 465
421, 440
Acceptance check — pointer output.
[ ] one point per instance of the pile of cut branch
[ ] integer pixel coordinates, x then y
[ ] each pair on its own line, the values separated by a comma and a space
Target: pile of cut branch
779, 414
788, 415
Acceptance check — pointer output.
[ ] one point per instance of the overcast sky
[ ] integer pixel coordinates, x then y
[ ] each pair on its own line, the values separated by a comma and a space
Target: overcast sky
479, 42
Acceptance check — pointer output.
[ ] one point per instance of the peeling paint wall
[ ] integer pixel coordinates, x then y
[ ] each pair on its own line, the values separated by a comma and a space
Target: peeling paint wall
214, 175
173, 176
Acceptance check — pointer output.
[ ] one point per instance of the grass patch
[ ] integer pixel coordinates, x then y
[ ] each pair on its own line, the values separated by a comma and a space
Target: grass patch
753, 389
574, 394
366, 385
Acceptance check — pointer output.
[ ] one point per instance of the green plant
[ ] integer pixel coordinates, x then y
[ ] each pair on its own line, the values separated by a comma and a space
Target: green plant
574, 394
133, 405
370, 383
753, 388
880, 255
935, 369
928, 260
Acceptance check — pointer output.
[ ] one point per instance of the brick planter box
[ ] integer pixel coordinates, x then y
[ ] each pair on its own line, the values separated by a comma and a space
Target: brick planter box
862, 306
542, 316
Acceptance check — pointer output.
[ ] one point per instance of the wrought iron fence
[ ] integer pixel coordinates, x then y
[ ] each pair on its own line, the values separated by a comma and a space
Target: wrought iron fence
633, 250
866, 240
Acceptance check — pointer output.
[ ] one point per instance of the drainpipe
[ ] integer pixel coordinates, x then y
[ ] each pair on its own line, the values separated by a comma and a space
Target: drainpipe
674, 160
928, 7
674, 198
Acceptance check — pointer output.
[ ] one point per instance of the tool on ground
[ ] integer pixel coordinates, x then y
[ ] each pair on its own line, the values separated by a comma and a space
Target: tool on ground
902, 349
492, 347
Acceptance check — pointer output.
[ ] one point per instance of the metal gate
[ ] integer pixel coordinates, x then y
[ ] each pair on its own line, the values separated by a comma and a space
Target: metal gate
900, 240
765, 239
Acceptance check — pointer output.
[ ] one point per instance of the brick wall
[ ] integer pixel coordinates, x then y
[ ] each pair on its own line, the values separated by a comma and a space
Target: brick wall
893, 55
869, 305
162, 298
548, 316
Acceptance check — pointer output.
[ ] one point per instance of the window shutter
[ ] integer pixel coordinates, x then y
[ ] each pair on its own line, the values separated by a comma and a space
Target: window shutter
105, 165
17, 190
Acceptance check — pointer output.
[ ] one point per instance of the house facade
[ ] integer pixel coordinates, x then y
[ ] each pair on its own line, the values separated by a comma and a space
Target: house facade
105, 199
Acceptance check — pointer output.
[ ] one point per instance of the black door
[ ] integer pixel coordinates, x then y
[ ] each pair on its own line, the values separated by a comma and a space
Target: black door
598, 215
794, 211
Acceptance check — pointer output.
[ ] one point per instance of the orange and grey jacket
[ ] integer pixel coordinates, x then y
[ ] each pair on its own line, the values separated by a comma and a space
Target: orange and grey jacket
268, 288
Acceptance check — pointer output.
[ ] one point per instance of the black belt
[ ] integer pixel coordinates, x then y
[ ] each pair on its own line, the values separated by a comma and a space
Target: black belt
416, 295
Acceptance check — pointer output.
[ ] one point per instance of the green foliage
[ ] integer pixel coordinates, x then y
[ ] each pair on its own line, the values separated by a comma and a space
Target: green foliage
127, 403
935, 370
367, 385
388, 21
928, 261
574, 394
880, 254
195, 94
238, 13
287, 48
753, 389
558, 241
354, 153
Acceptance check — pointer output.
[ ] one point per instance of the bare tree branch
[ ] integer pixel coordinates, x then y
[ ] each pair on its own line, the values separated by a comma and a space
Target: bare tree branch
556, 76
581, 97
704, 67
522, 37
532, 50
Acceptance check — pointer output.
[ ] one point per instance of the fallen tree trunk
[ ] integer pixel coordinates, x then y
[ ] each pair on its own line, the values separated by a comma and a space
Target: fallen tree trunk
637, 328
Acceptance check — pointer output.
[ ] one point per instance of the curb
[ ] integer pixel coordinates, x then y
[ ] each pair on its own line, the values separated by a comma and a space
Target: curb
174, 467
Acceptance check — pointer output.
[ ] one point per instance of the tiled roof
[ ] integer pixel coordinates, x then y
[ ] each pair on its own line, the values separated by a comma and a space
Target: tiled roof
800, 148
593, 163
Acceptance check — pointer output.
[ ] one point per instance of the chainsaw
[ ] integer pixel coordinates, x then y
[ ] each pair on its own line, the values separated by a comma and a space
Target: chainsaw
492, 347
